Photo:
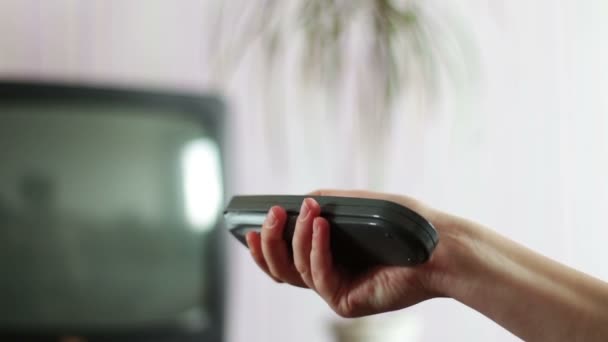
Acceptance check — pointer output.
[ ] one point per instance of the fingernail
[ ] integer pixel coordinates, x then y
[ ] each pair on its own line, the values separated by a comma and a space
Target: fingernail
304, 210
271, 219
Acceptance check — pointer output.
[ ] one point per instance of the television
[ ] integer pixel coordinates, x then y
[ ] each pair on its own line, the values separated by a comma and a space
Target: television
109, 207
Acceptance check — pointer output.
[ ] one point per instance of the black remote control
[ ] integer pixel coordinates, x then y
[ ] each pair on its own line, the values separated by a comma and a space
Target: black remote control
364, 232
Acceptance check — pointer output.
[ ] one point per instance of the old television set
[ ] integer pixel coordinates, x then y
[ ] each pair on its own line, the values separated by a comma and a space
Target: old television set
109, 207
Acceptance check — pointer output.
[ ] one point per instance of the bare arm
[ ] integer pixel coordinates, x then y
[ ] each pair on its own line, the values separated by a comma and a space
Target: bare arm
532, 296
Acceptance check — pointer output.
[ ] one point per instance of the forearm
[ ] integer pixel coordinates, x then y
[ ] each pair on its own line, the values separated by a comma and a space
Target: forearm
532, 296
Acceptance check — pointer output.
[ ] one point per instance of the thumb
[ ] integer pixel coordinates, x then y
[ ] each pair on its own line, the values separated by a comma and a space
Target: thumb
409, 202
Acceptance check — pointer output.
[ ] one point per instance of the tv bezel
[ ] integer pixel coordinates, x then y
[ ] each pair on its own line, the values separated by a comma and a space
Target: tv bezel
210, 110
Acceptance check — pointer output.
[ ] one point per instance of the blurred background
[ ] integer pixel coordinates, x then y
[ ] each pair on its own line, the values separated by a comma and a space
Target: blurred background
491, 110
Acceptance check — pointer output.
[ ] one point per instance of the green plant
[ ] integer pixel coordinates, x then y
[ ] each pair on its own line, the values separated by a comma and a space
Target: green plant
400, 35
379, 49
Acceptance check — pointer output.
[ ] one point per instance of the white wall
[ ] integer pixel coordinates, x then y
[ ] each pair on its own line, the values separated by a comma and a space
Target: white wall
523, 149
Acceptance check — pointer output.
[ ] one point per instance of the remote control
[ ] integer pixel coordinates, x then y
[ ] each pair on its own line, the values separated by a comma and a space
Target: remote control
364, 232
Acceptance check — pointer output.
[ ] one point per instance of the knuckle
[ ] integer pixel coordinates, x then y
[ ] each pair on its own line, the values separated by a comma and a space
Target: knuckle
281, 271
275, 275
302, 268
318, 275
317, 192
270, 236
344, 312
349, 307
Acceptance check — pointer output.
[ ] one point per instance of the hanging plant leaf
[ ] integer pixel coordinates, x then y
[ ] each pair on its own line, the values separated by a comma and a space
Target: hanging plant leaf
401, 41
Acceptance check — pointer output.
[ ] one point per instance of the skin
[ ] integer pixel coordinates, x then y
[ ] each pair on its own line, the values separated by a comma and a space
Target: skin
528, 294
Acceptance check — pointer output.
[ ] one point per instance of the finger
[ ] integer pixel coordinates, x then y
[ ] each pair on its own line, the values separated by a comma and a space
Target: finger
325, 278
254, 241
360, 194
347, 193
407, 201
302, 239
274, 248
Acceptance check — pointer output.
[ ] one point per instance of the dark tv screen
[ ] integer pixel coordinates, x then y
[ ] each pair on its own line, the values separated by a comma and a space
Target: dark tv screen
108, 210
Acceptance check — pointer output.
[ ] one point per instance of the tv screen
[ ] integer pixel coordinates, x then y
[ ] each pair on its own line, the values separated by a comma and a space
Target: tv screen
109, 201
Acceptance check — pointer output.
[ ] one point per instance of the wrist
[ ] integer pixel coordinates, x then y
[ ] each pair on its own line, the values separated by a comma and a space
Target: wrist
448, 273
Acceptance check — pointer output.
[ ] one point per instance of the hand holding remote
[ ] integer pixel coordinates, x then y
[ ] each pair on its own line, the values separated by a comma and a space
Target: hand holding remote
530, 295
378, 289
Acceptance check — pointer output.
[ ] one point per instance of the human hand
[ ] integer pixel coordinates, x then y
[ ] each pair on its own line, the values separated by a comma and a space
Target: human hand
379, 289
532, 296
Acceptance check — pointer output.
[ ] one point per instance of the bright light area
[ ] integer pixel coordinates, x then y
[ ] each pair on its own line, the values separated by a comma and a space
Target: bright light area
202, 183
